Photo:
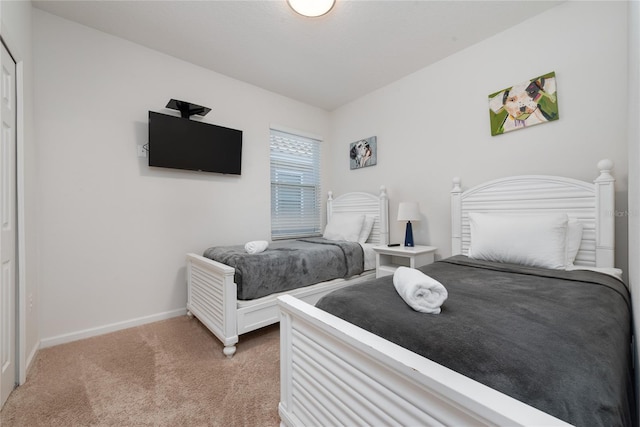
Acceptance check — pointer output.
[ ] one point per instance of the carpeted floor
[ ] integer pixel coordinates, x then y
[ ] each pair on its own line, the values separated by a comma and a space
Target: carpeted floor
168, 373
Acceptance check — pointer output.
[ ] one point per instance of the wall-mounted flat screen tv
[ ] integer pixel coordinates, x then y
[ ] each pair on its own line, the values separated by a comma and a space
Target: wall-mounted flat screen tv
181, 143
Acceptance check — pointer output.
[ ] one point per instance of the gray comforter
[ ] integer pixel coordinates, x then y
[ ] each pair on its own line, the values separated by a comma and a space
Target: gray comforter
289, 265
556, 340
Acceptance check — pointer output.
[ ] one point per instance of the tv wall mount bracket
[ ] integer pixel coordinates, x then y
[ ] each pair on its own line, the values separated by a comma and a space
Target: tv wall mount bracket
187, 109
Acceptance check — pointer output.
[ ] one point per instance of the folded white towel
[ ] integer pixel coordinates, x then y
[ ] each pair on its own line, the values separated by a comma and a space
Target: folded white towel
419, 291
256, 246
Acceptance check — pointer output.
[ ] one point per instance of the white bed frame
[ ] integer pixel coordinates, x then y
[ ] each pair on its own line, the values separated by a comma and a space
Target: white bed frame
335, 373
212, 292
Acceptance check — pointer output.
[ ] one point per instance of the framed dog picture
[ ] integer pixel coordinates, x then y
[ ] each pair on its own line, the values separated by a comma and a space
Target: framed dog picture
363, 153
526, 104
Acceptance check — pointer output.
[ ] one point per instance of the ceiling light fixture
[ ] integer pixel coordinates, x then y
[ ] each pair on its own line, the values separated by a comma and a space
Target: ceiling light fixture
311, 8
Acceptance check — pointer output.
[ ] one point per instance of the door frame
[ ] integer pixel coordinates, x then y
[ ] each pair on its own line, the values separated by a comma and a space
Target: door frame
22, 359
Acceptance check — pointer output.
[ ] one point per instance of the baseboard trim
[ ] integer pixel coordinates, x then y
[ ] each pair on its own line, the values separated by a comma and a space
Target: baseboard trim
29, 363
101, 330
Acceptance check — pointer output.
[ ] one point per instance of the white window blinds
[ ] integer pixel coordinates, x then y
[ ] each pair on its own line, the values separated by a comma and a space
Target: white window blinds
295, 186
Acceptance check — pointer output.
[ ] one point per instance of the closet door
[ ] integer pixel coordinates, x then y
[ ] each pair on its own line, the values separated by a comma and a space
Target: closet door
8, 228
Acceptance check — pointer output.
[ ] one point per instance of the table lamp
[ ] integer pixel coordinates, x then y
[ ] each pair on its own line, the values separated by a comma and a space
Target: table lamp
408, 211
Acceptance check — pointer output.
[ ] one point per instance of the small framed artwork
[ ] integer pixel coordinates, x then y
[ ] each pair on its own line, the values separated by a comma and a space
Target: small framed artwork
363, 153
526, 104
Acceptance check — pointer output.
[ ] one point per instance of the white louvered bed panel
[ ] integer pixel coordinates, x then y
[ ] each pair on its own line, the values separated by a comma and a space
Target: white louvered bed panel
320, 373
530, 194
207, 299
334, 373
367, 204
210, 289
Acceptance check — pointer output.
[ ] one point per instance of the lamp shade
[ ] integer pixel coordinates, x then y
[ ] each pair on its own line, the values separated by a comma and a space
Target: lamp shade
408, 211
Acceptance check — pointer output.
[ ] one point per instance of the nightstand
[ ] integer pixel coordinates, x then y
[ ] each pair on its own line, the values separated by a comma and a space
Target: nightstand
388, 259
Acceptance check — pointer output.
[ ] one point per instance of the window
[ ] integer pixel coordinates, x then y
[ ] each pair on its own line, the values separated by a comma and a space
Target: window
295, 185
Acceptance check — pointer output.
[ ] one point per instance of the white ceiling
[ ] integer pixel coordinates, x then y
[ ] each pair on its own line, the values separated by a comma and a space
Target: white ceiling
360, 46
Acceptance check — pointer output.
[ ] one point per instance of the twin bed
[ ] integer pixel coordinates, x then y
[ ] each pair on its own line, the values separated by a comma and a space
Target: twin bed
547, 343
536, 329
232, 292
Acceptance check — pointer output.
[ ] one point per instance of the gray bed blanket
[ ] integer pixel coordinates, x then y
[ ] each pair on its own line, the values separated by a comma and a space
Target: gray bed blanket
289, 265
556, 340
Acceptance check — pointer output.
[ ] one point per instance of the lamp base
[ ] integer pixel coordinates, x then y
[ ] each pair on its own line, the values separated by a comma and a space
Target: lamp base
408, 235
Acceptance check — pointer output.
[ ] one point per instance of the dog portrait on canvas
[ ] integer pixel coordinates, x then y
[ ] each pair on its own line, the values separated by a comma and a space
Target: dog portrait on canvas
363, 153
526, 104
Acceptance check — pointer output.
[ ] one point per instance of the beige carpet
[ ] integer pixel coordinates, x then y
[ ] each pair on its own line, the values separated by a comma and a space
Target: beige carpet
169, 373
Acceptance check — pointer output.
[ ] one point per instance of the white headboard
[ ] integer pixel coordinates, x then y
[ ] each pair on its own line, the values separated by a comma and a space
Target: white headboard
368, 204
590, 203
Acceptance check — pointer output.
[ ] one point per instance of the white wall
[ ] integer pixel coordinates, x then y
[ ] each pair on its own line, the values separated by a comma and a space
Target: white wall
15, 28
114, 232
434, 124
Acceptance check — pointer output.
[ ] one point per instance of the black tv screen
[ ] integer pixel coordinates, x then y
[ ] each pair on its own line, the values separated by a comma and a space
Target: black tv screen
181, 143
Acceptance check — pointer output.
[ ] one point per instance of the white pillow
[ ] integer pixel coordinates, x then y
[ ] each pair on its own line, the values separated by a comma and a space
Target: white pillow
344, 227
531, 240
574, 237
367, 226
